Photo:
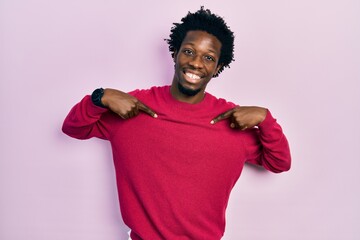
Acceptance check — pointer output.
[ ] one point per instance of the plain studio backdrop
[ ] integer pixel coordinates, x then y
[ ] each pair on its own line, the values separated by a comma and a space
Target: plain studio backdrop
301, 59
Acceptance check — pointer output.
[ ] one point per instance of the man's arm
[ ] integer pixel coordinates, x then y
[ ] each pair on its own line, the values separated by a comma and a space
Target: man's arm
267, 144
123, 104
83, 121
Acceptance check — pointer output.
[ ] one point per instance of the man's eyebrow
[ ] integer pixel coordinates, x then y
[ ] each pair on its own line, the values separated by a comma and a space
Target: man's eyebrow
193, 44
189, 43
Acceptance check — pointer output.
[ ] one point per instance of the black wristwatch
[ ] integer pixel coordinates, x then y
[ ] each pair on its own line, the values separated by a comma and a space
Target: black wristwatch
96, 97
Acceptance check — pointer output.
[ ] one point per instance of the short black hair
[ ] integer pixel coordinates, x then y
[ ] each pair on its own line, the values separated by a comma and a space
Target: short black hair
211, 23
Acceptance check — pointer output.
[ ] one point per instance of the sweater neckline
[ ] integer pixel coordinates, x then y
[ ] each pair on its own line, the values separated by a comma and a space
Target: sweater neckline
184, 105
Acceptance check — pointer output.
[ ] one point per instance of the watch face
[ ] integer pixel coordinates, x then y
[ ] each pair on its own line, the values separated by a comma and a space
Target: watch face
98, 93
96, 97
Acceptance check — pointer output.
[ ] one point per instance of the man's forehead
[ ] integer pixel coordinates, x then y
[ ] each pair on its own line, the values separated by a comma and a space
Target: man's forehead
202, 38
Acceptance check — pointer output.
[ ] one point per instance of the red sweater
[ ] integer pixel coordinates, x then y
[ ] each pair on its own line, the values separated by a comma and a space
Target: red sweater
175, 172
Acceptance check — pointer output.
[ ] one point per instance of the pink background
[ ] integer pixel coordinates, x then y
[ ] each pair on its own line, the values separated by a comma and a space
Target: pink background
301, 59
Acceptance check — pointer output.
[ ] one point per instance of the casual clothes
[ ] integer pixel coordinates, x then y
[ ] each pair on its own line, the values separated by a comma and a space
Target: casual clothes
175, 172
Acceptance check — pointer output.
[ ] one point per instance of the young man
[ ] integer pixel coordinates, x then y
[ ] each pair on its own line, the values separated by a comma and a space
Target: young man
178, 150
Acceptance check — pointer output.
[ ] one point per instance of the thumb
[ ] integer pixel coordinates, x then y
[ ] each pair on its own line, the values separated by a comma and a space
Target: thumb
223, 116
146, 109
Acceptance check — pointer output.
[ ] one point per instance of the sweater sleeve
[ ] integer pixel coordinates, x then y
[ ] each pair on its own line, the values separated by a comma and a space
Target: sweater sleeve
83, 121
269, 146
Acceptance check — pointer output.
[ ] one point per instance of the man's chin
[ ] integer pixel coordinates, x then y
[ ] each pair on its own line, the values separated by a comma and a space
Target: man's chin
187, 91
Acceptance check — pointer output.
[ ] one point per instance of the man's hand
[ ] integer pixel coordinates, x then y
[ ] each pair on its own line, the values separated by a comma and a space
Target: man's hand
123, 104
243, 117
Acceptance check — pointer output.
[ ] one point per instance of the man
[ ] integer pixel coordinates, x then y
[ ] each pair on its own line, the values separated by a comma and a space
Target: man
178, 150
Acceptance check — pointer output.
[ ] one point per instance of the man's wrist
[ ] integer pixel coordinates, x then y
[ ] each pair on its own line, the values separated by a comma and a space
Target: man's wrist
96, 97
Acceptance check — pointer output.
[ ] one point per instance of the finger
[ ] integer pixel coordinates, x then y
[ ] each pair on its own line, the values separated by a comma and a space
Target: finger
223, 116
243, 128
236, 125
134, 112
123, 116
146, 109
130, 113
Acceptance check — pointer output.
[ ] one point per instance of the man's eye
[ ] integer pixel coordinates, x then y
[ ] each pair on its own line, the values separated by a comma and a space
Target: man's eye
188, 52
210, 58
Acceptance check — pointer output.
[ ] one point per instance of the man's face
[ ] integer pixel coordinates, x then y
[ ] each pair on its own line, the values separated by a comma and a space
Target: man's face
196, 62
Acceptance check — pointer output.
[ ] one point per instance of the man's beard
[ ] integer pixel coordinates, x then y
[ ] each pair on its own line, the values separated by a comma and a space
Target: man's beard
188, 92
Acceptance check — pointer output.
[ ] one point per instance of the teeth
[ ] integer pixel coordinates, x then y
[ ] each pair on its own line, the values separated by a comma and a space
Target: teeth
192, 76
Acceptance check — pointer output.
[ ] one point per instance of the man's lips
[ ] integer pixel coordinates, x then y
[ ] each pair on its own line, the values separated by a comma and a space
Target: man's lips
192, 77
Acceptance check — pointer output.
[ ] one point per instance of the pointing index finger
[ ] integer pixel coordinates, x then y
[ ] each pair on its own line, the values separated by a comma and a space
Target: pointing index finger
146, 109
223, 116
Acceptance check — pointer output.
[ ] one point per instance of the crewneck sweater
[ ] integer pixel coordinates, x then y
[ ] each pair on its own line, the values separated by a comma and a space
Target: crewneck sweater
175, 172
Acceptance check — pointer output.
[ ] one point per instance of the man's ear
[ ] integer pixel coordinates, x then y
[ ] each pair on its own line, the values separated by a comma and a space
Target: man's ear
174, 55
217, 69
220, 65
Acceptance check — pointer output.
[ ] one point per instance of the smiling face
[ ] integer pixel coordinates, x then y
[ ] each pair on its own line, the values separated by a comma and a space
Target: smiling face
195, 64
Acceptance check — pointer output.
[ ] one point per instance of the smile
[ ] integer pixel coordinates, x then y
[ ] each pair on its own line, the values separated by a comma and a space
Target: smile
192, 77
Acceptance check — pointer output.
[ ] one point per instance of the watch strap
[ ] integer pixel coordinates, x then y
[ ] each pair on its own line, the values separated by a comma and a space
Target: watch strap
96, 97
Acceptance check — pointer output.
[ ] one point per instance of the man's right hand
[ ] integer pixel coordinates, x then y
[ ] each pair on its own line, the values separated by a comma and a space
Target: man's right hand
123, 104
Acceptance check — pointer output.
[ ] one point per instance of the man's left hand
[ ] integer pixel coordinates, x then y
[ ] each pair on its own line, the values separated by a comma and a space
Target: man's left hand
243, 117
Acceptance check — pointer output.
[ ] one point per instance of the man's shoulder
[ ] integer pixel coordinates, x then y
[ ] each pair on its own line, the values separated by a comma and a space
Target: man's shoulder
219, 101
151, 90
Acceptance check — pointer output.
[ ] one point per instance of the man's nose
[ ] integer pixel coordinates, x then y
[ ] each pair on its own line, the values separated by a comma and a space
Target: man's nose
196, 62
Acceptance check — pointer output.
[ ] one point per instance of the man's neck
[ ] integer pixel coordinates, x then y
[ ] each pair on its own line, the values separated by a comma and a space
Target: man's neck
176, 94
